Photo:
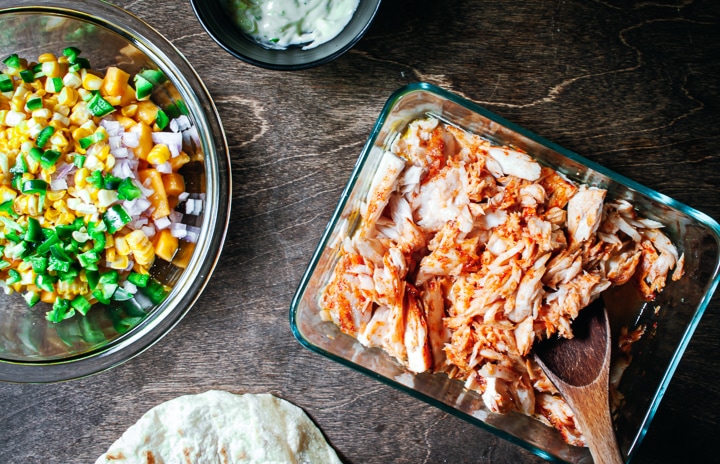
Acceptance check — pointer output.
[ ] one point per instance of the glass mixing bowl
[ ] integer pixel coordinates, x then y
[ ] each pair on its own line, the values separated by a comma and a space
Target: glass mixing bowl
35, 350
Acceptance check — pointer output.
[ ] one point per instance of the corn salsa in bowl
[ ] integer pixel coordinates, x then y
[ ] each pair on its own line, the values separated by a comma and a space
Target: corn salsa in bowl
114, 192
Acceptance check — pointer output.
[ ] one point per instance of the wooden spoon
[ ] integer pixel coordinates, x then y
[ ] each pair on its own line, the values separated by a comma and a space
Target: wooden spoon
579, 368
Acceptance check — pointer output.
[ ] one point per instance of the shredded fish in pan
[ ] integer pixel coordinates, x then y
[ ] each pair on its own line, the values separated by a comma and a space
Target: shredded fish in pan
468, 253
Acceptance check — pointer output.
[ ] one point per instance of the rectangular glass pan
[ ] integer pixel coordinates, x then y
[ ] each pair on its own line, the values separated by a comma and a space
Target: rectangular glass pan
655, 356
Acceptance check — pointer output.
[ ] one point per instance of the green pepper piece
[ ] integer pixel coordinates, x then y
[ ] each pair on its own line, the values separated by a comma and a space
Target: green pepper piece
33, 233
98, 106
154, 76
49, 158
111, 182
80, 63
11, 225
115, 218
56, 84
81, 304
71, 53
127, 190
61, 310
34, 103
27, 75
110, 277
44, 136
57, 264
35, 153
34, 186
44, 282
96, 179
50, 240
79, 160
6, 83
39, 264
88, 260
13, 277
31, 298
3, 264
122, 295
143, 87
20, 167
98, 237
12, 61
93, 277
162, 119
155, 291
6, 207
139, 280
95, 137
68, 276
58, 252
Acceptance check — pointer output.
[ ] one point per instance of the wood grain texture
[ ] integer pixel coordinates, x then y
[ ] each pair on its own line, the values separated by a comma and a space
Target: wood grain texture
631, 85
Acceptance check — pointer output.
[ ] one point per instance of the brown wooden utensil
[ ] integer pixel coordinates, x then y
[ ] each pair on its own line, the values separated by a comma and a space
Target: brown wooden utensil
579, 368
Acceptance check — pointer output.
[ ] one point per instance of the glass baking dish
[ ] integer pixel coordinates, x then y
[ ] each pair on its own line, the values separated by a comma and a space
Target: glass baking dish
655, 356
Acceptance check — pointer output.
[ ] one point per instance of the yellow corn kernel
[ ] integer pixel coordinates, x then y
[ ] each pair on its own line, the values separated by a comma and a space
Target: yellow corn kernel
51, 69
72, 288
91, 82
129, 111
51, 215
159, 154
26, 204
122, 247
103, 153
6, 194
59, 121
81, 132
141, 246
80, 114
55, 195
46, 57
109, 241
114, 100
58, 141
67, 96
60, 206
120, 262
80, 177
110, 254
109, 162
17, 104
65, 219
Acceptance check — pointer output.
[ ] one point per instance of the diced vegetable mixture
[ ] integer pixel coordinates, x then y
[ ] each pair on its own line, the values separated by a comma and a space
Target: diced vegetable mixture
89, 183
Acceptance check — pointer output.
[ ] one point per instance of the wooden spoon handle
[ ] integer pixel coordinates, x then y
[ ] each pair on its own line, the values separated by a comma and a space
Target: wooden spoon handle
596, 424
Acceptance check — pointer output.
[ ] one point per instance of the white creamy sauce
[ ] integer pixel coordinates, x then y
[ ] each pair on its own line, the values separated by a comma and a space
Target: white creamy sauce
282, 23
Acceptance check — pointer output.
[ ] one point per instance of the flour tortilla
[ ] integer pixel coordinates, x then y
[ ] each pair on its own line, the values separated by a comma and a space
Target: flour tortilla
218, 427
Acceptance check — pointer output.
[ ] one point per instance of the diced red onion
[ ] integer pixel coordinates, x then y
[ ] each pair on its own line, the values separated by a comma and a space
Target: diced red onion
171, 139
58, 184
164, 168
180, 123
131, 139
183, 196
192, 234
178, 230
149, 231
162, 223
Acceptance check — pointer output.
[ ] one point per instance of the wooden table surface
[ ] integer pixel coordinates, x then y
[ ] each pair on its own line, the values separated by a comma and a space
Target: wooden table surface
634, 86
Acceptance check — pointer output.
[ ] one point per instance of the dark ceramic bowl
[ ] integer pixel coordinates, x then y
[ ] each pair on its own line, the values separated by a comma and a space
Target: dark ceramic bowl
220, 26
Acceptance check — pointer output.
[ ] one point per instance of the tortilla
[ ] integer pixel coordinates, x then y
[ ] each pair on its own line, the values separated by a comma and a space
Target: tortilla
223, 428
